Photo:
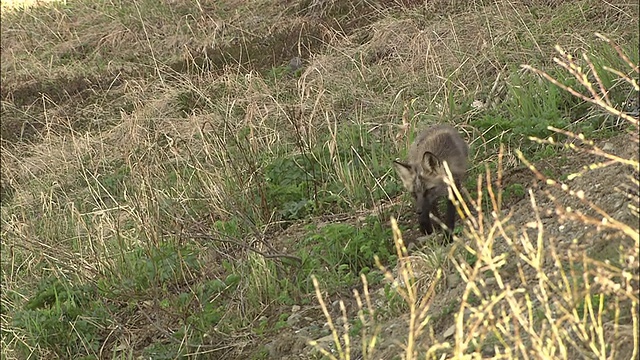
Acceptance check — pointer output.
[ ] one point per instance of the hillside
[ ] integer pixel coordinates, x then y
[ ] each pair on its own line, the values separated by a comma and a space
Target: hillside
213, 179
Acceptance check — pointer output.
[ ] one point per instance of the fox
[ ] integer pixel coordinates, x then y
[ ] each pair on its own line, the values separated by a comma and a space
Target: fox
423, 173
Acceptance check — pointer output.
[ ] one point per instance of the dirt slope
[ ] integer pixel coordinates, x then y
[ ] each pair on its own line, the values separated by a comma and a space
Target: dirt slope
608, 188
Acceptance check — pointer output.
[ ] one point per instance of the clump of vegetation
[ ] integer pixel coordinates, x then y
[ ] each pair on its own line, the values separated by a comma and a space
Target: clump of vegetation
527, 296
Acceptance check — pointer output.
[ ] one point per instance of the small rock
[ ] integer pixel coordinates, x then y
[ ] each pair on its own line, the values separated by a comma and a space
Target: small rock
607, 147
478, 104
450, 331
325, 340
466, 313
270, 347
304, 332
412, 245
295, 308
453, 280
295, 64
293, 319
488, 352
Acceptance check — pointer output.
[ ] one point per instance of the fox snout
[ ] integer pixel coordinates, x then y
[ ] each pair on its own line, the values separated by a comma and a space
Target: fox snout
425, 223
423, 209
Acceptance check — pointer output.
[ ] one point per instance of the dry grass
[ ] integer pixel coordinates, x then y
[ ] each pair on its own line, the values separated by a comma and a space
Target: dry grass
128, 139
530, 293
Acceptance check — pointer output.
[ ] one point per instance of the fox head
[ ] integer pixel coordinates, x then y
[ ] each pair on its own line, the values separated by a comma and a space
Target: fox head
425, 181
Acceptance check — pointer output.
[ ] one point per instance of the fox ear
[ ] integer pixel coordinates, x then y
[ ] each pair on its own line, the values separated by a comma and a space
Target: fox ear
430, 162
406, 173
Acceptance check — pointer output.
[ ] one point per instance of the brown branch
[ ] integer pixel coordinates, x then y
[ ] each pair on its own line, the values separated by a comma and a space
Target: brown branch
243, 245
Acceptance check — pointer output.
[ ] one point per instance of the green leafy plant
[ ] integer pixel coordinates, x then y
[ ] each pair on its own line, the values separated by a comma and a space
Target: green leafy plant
346, 251
67, 319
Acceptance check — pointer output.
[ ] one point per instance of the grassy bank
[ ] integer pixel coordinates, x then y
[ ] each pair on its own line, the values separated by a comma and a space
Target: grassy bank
170, 183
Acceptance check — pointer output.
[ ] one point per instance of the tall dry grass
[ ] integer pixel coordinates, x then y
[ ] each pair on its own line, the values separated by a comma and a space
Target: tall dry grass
532, 292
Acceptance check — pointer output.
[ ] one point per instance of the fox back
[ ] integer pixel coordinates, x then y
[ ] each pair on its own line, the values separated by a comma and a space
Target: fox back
423, 173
